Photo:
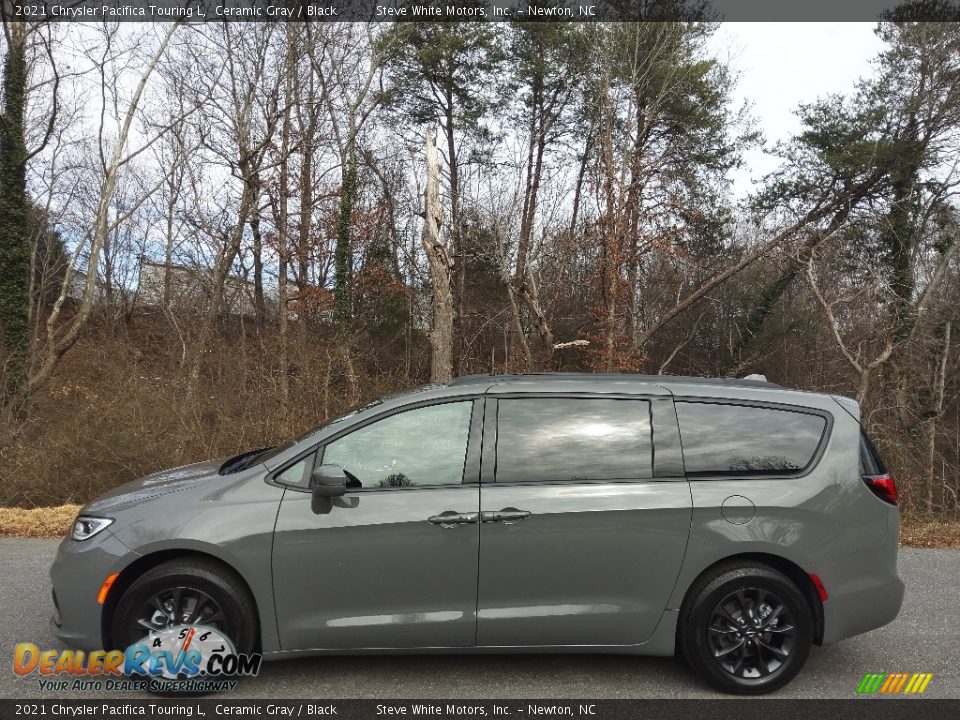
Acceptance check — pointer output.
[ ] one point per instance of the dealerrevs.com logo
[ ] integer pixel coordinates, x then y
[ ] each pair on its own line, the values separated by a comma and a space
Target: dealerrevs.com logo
894, 683
183, 658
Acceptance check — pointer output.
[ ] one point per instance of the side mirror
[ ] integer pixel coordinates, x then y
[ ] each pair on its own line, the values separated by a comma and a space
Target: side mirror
328, 481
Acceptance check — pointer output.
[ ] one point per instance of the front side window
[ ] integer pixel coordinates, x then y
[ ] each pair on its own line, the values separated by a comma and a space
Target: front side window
723, 439
423, 446
573, 440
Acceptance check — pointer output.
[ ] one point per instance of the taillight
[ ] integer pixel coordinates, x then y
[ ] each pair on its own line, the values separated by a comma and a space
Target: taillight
883, 486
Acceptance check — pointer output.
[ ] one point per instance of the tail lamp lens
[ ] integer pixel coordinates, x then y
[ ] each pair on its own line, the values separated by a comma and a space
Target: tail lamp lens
883, 486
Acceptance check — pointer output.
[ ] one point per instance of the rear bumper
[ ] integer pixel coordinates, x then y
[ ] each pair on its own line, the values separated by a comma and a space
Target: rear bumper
864, 593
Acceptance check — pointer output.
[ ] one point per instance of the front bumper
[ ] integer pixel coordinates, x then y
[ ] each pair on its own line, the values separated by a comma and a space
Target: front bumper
77, 573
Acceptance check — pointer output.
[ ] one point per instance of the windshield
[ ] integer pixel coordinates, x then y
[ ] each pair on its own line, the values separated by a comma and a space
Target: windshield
247, 459
271, 453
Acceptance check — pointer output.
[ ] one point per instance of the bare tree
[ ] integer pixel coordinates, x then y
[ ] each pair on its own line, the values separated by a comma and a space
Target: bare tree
113, 158
346, 62
441, 335
239, 123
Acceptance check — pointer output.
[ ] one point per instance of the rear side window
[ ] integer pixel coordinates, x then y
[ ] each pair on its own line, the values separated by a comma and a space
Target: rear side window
573, 439
723, 439
870, 462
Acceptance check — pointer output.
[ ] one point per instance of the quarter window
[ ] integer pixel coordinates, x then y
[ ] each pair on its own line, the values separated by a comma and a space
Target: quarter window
423, 446
297, 474
870, 462
572, 439
723, 439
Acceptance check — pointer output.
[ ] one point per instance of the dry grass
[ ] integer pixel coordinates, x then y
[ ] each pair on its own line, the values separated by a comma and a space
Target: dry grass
118, 409
929, 532
44, 522
51, 522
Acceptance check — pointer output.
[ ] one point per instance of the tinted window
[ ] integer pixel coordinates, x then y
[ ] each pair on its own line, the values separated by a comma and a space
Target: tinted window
551, 440
424, 446
740, 440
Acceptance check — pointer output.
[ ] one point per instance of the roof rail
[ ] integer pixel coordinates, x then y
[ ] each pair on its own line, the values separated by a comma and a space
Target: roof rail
750, 380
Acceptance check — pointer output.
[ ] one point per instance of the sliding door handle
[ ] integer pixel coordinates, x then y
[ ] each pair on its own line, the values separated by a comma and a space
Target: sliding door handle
507, 516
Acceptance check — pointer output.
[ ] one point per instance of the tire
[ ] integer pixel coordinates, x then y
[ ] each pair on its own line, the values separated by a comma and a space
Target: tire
227, 606
723, 621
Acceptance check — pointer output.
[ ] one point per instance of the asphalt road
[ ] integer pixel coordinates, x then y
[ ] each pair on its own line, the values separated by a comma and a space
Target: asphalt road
925, 638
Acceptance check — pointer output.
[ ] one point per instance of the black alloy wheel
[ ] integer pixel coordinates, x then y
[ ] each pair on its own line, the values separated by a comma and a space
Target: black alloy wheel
187, 591
179, 606
751, 633
745, 628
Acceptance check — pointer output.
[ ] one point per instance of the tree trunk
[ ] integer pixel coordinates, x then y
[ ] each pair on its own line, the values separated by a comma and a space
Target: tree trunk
610, 233
259, 301
900, 230
939, 391
758, 315
168, 252
581, 176
221, 271
306, 213
342, 255
522, 286
441, 335
14, 216
283, 219
459, 252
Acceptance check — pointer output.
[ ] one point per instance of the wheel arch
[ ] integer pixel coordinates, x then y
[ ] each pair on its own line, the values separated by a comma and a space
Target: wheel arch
147, 562
794, 572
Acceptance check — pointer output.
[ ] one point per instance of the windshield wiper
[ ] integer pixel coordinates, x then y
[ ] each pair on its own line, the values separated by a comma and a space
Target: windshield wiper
242, 461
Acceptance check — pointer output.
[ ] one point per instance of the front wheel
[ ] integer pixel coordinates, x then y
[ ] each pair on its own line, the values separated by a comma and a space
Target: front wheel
188, 591
746, 629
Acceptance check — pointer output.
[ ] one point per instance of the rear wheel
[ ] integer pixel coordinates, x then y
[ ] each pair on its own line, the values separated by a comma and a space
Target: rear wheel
189, 591
745, 629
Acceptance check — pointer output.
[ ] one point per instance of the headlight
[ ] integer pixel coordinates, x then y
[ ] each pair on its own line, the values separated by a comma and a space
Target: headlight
85, 527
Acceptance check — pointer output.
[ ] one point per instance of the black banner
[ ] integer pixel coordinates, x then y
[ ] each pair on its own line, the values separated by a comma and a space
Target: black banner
742, 709
473, 10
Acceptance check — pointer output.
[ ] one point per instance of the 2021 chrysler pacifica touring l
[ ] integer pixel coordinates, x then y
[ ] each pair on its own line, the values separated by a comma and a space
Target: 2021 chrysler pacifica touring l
735, 523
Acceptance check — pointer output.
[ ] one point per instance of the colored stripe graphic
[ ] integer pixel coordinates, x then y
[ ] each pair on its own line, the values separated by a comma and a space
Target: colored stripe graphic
871, 682
899, 686
894, 683
889, 682
918, 683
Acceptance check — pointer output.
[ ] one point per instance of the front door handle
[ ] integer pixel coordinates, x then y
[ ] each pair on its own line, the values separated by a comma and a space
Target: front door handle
451, 518
507, 516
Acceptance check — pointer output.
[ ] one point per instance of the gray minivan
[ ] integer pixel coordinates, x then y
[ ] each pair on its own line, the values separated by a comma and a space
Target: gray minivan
731, 521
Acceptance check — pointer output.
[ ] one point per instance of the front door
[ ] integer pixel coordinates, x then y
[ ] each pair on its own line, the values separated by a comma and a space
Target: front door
394, 563
582, 539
